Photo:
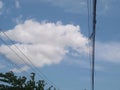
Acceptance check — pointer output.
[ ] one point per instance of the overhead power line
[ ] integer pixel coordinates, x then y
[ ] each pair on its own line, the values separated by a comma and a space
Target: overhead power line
91, 35
42, 75
14, 64
89, 22
29, 60
89, 13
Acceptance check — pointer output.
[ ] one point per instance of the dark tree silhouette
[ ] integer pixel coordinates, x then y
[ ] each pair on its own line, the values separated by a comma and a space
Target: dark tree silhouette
9, 81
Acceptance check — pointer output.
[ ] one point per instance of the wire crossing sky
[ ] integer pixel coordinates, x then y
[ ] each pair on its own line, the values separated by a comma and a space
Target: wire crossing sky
51, 36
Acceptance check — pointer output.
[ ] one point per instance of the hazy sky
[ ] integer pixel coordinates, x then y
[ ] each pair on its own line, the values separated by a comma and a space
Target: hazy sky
53, 35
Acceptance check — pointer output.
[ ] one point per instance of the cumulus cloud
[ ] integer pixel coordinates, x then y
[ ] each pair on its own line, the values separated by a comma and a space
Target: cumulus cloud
104, 52
45, 43
108, 51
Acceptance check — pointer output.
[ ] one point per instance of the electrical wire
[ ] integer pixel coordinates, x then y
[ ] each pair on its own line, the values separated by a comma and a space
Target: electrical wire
36, 69
24, 56
89, 13
14, 64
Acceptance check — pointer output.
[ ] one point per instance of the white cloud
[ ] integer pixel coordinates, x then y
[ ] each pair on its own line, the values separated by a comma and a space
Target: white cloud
44, 43
17, 4
24, 68
104, 52
108, 51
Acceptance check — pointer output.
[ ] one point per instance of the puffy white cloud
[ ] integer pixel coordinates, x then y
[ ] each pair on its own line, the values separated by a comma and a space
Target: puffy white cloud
104, 52
44, 43
108, 51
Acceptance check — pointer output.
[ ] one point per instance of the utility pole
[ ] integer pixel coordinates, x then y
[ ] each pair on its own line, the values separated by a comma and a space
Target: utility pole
92, 37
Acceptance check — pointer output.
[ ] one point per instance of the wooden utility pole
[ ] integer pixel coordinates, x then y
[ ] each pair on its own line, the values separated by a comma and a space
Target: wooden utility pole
93, 41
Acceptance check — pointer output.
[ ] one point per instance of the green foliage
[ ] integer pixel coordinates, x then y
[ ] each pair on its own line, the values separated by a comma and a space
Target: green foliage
11, 82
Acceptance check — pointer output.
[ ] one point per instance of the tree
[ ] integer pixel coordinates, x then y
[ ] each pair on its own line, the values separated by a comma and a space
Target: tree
41, 84
11, 82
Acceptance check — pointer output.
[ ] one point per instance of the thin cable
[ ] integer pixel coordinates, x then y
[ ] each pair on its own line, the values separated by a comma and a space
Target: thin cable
16, 53
19, 49
88, 13
89, 41
13, 52
44, 76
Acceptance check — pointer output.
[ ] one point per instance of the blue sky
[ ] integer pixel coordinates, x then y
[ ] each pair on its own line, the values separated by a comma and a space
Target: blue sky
53, 34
